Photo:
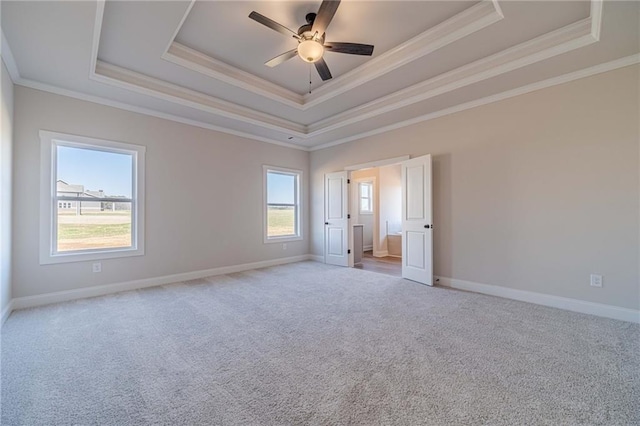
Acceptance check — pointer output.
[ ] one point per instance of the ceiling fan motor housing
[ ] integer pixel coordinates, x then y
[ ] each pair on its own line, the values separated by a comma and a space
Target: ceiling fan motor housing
310, 43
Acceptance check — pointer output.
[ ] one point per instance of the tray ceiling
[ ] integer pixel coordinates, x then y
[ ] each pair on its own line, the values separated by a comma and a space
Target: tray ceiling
202, 62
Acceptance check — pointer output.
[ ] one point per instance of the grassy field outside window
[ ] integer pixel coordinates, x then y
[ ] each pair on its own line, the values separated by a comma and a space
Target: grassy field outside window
281, 221
94, 230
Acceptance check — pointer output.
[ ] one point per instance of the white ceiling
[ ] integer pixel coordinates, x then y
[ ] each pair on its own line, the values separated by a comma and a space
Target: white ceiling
202, 62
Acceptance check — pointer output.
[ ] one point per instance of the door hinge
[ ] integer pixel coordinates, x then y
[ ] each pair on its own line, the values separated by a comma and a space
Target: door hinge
348, 216
348, 180
349, 251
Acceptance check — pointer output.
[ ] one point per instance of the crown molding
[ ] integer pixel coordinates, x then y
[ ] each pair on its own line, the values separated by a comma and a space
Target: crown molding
554, 81
595, 14
566, 78
572, 36
7, 57
97, 30
36, 85
565, 39
185, 15
137, 82
199, 62
465, 23
473, 19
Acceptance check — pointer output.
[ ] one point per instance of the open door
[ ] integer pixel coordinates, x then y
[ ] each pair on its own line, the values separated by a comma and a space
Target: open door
417, 225
336, 222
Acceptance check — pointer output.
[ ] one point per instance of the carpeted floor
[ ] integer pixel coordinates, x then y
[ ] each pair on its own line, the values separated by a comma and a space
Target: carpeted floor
308, 343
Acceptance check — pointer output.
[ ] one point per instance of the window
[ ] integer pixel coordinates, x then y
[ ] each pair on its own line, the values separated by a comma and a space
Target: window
366, 198
98, 188
282, 204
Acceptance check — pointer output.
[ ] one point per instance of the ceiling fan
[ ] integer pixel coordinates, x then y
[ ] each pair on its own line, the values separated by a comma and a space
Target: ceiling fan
310, 37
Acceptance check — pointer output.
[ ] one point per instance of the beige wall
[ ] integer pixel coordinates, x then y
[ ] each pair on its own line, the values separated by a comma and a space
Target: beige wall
534, 192
203, 194
6, 143
390, 201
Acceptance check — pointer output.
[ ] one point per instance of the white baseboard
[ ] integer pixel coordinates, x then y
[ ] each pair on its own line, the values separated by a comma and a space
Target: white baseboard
81, 293
575, 305
367, 248
6, 312
382, 253
316, 258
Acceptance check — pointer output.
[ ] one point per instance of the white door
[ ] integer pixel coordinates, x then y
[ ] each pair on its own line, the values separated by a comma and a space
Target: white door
417, 225
336, 222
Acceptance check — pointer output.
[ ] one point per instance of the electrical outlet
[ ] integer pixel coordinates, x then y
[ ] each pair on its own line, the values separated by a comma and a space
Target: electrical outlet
97, 267
596, 280
284, 246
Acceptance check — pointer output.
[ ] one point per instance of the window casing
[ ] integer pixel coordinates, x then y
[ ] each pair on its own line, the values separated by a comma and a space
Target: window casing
57, 203
366, 197
282, 204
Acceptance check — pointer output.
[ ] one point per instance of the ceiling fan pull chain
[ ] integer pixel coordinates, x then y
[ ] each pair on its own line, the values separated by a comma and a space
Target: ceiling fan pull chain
309, 78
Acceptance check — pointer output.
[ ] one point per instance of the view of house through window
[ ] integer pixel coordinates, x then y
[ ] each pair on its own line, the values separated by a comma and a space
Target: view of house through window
282, 210
93, 199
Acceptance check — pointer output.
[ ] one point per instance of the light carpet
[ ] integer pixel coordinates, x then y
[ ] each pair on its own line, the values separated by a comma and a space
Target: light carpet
313, 344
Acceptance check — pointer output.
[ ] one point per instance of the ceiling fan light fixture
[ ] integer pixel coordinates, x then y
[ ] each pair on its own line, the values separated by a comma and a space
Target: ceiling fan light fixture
310, 50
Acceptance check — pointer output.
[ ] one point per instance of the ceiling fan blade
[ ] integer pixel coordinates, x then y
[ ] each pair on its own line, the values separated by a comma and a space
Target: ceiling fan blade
350, 48
325, 15
272, 24
281, 58
323, 70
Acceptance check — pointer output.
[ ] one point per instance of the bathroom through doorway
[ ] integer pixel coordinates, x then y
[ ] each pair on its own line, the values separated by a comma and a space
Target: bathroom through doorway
376, 213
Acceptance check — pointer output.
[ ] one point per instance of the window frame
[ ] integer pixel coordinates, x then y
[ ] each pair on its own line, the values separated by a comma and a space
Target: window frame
298, 205
49, 141
369, 183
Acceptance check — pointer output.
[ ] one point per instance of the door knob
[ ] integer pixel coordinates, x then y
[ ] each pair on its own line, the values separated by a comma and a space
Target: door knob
326, 223
426, 226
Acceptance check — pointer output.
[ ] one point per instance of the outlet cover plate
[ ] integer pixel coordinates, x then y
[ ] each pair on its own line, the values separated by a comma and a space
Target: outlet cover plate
596, 280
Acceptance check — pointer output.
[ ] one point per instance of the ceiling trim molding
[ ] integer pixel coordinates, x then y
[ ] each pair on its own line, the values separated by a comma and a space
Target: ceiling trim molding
596, 18
36, 85
565, 39
131, 80
199, 62
7, 57
471, 20
97, 30
565, 78
180, 24
467, 22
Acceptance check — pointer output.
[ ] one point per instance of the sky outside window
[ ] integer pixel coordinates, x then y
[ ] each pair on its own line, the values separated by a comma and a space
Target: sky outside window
281, 188
96, 170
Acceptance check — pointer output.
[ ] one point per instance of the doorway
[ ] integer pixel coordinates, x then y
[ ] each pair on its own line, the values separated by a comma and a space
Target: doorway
375, 205
343, 212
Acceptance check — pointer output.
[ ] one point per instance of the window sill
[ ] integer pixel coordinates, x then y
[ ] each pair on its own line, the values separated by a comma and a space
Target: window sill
270, 240
52, 259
